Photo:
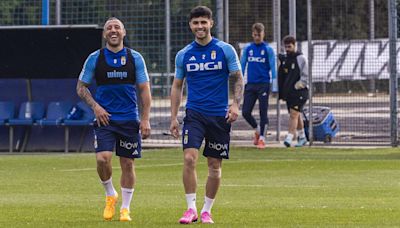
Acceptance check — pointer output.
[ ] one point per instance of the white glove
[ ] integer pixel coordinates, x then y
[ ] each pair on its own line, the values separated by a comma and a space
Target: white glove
299, 85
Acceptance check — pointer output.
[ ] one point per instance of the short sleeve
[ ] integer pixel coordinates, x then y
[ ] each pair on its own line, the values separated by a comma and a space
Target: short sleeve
88, 69
231, 58
179, 70
141, 70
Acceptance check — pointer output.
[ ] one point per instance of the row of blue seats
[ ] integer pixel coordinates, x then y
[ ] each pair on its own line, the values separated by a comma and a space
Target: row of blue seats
57, 114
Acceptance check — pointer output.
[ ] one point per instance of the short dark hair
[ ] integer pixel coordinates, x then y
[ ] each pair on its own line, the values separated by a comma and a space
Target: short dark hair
114, 18
289, 40
200, 11
258, 27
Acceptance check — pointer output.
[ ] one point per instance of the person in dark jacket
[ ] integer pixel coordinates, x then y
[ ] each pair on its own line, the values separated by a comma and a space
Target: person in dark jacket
293, 88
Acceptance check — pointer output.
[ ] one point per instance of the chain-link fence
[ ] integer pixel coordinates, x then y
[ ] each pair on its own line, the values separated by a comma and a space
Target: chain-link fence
349, 67
350, 51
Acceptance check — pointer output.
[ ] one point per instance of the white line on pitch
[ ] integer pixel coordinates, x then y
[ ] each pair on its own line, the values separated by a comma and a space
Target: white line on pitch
172, 164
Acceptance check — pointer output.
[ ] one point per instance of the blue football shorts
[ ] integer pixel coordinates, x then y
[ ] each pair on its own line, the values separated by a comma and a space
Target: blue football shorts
123, 135
214, 129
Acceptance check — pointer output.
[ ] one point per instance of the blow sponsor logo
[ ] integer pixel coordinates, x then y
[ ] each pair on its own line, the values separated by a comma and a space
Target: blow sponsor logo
217, 146
190, 67
128, 145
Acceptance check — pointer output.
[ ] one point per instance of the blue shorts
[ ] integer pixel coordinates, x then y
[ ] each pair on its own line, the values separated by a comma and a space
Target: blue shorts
214, 129
124, 135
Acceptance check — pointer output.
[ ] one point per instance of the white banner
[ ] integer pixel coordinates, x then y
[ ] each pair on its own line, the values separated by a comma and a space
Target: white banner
347, 60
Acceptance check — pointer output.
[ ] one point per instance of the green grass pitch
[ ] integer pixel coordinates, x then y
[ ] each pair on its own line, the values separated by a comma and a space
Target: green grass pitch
270, 188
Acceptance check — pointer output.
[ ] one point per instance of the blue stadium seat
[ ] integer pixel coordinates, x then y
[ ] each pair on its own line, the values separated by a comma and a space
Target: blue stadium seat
56, 113
29, 113
6, 112
85, 119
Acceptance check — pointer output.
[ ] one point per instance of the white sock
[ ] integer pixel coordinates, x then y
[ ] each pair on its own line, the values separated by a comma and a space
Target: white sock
108, 186
127, 194
262, 138
265, 130
289, 137
191, 201
208, 203
301, 133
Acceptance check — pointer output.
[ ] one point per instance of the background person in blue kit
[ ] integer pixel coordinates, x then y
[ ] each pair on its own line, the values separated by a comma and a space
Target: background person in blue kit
258, 60
293, 88
117, 71
207, 64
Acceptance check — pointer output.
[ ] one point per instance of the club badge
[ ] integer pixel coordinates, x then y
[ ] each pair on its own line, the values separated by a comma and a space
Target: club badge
213, 55
123, 60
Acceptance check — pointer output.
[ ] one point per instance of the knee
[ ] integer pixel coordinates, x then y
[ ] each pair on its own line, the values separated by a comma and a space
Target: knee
102, 161
190, 160
214, 172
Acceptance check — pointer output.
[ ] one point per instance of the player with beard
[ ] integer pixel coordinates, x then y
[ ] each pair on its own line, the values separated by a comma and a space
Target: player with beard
117, 70
206, 64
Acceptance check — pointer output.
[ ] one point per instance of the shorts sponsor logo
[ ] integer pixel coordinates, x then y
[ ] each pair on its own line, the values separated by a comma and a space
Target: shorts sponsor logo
218, 146
186, 137
204, 66
256, 59
95, 142
128, 145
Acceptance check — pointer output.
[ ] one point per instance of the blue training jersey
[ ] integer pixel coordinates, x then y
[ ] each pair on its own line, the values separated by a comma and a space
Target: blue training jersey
258, 60
207, 69
120, 100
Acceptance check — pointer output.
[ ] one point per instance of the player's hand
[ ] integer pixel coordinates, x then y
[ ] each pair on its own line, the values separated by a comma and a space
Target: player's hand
174, 128
102, 116
145, 128
233, 113
299, 85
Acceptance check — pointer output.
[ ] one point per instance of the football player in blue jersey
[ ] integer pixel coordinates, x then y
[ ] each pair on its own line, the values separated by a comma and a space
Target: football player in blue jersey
117, 71
206, 64
258, 60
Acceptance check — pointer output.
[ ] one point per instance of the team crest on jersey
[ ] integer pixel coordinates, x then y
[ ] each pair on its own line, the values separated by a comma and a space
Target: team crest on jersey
123, 60
293, 66
262, 52
251, 52
213, 55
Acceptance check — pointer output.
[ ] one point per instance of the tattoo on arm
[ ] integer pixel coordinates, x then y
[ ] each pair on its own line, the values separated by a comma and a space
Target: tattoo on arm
237, 88
84, 93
